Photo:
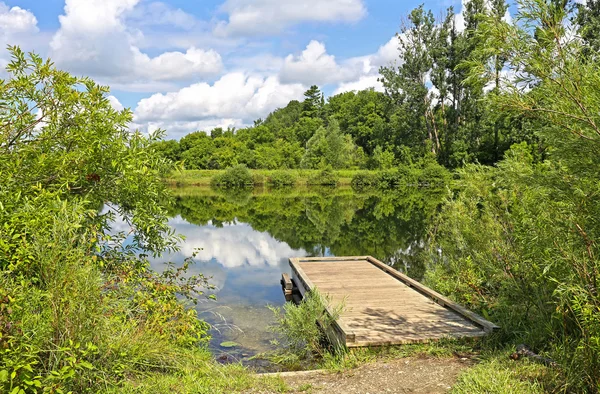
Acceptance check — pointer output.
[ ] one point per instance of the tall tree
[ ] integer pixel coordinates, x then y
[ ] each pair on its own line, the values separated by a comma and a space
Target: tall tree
588, 19
313, 102
406, 84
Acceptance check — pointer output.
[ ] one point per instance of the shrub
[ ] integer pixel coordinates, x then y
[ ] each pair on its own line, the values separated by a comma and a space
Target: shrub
258, 179
301, 328
79, 311
400, 176
363, 179
237, 176
326, 177
282, 179
433, 174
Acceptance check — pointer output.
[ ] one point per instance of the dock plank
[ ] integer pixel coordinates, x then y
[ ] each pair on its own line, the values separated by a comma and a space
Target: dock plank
381, 305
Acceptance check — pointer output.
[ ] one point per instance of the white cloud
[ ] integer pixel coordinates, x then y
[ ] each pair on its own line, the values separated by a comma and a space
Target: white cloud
314, 66
17, 27
116, 104
235, 97
364, 82
387, 54
177, 65
177, 129
233, 245
94, 39
16, 20
251, 17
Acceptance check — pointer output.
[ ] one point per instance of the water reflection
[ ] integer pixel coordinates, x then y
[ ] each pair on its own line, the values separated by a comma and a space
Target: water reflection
245, 239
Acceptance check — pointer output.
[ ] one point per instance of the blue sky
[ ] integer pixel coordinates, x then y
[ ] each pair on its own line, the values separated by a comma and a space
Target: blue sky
185, 65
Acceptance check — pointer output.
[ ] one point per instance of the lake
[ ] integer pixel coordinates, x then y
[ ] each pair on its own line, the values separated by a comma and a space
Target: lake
244, 238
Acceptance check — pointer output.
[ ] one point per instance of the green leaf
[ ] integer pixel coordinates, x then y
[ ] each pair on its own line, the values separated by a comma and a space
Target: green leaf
229, 344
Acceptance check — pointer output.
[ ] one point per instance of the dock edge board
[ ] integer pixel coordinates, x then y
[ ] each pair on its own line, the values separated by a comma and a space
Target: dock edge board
304, 284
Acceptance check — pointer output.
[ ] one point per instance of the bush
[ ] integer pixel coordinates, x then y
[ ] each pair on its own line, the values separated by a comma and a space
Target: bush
79, 311
326, 177
258, 179
363, 179
433, 174
238, 176
517, 247
282, 179
301, 328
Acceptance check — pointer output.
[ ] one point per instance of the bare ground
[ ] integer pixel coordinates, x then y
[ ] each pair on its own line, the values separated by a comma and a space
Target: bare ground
405, 375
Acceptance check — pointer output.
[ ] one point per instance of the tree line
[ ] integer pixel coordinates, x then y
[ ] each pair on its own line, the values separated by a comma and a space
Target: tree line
432, 106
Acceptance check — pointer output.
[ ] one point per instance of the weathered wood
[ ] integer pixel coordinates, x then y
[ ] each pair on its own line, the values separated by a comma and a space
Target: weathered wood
286, 283
381, 305
440, 299
346, 333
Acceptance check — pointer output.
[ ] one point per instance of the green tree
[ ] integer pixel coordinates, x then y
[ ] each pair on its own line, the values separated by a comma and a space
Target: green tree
78, 308
406, 84
312, 106
383, 159
168, 149
518, 240
588, 20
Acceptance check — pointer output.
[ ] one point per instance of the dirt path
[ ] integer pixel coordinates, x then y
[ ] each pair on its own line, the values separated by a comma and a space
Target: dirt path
406, 375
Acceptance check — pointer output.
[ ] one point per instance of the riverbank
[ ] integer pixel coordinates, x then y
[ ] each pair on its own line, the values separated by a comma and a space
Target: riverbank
301, 177
403, 369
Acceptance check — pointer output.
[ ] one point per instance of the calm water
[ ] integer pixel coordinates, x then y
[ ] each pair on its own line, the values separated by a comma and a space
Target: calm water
246, 238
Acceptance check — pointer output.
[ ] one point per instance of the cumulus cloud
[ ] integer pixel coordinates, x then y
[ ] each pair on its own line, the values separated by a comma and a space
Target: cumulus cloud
116, 104
387, 54
16, 20
233, 245
177, 129
235, 96
253, 17
364, 82
93, 39
315, 66
17, 26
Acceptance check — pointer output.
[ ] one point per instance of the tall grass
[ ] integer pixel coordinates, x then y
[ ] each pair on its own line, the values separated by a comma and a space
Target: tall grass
303, 330
75, 320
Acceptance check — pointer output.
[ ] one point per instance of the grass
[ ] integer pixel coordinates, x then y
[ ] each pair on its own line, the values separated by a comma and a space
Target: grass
204, 377
497, 373
353, 358
302, 177
265, 190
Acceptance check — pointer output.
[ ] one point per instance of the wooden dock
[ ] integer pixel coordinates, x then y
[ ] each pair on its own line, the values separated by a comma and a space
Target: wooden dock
381, 305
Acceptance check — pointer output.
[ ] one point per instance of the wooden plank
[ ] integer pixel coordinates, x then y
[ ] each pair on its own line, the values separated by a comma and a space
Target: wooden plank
348, 334
286, 282
422, 330
382, 305
366, 342
440, 299
332, 258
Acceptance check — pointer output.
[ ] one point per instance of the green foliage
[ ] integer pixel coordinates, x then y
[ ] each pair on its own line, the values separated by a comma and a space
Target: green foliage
237, 176
383, 160
79, 310
258, 179
364, 179
302, 328
169, 149
326, 177
282, 179
501, 375
517, 241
